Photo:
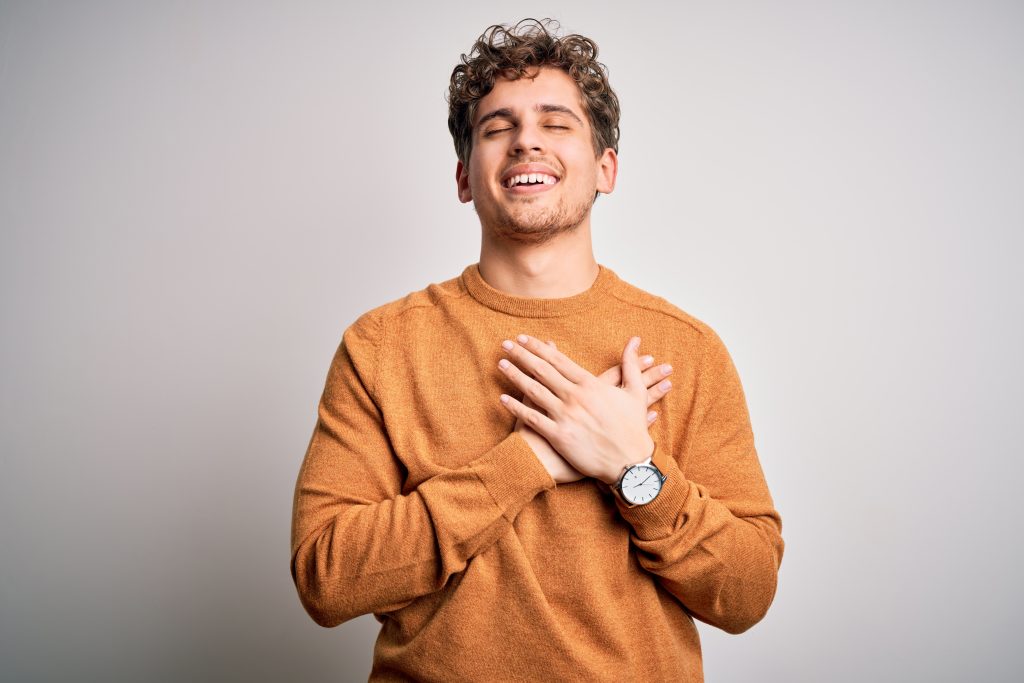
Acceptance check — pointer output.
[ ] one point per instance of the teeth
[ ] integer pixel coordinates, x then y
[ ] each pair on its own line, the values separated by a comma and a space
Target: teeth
524, 178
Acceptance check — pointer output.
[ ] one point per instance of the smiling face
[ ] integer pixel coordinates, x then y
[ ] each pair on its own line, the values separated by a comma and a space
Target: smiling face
535, 128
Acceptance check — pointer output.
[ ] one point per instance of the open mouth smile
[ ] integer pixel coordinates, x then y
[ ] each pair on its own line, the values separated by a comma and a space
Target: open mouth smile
529, 183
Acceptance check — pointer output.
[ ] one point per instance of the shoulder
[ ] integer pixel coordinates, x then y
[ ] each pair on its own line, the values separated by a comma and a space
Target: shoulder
716, 373
365, 338
666, 315
373, 324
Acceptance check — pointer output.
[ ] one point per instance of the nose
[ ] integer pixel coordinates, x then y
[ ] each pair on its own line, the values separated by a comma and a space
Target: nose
528, 138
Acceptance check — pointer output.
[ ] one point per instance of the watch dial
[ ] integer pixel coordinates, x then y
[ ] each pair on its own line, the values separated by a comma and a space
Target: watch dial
641, 484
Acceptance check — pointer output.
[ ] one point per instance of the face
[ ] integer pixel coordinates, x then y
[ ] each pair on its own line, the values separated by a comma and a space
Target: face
534, 126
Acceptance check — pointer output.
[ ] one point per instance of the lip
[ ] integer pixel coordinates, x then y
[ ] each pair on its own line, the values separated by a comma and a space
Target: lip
519, 169
529, 189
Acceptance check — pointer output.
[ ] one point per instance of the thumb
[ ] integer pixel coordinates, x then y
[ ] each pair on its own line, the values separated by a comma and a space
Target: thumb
631, 376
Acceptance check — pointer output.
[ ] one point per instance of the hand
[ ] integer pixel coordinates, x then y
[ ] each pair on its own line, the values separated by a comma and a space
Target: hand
560, 470
579, 405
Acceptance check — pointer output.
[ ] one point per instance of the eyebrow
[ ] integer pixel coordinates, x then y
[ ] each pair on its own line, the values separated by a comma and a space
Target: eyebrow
506, 113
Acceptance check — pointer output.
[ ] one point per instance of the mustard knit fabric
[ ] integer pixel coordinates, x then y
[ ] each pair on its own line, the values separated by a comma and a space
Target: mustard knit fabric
418, 502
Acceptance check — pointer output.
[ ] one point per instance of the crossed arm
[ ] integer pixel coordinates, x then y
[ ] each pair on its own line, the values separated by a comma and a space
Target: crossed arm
360, 545
713, 536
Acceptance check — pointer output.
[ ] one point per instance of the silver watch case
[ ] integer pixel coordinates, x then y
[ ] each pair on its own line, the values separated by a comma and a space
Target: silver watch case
646, 472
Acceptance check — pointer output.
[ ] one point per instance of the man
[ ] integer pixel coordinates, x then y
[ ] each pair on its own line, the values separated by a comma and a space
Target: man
566, 533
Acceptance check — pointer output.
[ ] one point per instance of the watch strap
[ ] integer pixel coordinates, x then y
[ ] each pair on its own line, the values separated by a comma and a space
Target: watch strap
660, 460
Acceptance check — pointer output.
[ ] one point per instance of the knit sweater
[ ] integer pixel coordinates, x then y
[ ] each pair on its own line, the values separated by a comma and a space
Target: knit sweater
418, 502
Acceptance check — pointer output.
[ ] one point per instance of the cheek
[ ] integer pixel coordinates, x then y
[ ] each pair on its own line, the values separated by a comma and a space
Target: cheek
480, 171
585, 179
584, 163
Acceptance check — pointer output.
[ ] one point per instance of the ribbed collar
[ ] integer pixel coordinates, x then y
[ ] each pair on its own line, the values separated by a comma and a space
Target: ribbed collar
526, 307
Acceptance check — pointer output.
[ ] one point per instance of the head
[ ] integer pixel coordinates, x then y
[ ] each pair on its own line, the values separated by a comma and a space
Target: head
525, 96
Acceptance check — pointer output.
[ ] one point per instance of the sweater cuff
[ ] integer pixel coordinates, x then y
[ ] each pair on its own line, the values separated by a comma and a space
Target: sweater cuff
513, 474
663, 515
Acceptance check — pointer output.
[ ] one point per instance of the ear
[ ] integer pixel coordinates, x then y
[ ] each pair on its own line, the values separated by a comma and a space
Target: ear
607, 170
462, 182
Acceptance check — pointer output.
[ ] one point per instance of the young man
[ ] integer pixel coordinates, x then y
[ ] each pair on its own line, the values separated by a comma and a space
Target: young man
566, 533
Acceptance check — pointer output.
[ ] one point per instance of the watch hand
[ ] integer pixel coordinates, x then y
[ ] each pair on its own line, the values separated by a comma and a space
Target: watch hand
642, 482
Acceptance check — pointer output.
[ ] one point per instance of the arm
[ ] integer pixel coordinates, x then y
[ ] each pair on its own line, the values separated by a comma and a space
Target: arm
358, 544
713, 536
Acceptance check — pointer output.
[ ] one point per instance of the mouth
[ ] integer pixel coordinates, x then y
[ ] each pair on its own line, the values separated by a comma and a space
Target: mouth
529, 183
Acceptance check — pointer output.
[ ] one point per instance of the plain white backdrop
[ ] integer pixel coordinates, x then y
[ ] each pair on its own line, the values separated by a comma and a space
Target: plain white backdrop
196, 199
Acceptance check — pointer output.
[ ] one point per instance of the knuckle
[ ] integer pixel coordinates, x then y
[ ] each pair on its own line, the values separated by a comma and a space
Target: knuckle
576, 412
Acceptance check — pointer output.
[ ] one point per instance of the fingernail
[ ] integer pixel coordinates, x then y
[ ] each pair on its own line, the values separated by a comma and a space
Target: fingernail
666, 385
523, 339
636, 343
651, 415
647, 360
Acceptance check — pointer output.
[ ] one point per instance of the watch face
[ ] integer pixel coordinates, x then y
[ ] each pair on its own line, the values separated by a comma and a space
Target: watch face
641, 484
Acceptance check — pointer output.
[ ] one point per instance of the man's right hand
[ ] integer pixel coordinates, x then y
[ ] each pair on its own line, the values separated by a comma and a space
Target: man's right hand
557, 466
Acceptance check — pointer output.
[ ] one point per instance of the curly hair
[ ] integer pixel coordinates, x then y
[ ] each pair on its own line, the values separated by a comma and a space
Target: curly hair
509, 52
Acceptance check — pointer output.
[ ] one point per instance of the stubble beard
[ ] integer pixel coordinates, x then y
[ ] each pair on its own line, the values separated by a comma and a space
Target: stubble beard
536, 226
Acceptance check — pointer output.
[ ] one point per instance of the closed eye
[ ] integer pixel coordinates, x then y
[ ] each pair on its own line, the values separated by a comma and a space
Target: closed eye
502, 130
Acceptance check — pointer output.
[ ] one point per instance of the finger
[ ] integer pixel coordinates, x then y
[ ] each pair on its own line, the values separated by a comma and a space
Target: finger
652, 379
631, 365
540, 423
545, 354
529, 404
658, 391
656, 374
538, 393
613, 375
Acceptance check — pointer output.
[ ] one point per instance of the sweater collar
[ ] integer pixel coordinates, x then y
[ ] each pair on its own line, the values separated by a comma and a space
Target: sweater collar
526, 307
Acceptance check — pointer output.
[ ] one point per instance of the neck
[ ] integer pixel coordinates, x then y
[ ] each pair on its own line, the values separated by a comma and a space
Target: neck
561, 268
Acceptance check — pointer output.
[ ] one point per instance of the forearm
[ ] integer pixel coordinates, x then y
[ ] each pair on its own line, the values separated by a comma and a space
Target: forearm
352, 558
713, 536
722, 567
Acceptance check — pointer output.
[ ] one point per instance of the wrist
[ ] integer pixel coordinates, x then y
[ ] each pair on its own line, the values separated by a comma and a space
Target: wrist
632, 461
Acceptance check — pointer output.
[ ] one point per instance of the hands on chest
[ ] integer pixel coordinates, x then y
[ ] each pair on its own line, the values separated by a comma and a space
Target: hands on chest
593, 426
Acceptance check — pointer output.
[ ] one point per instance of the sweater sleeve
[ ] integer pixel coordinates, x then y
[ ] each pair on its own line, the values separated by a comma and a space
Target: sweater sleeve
713, 537
358, 544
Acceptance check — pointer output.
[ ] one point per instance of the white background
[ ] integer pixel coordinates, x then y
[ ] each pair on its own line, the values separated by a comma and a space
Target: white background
197, 198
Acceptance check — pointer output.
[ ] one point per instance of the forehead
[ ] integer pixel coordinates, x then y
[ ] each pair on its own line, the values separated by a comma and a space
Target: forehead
551, 86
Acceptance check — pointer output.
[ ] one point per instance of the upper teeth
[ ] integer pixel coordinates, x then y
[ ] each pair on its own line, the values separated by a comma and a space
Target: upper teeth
530, 178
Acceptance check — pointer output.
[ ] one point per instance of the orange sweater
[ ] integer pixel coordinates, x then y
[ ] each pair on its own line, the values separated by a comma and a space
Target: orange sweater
418, 502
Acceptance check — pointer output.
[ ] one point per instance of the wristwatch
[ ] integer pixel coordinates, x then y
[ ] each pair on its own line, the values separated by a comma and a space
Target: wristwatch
641, 483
